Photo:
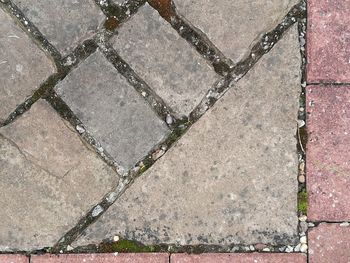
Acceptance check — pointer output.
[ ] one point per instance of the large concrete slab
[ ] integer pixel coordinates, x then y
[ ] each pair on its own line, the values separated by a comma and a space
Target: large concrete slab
65, 23
328, 179
23, 66
232, 178
112, 110
233, 26
48, 179
173, 69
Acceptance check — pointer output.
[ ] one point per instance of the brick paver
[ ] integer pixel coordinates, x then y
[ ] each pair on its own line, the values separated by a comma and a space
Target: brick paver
13, 259
62, 21
103, 258
112, 110
234, 25
328, 180
49, 179
173, 69
208, 188
23, 66
329, 243
328, 41
239, 258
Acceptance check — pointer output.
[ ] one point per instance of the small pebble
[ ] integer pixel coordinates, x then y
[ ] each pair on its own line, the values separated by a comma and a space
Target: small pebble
301, 179
69, 248
252, 248
289, 249
303, 218
266, 249
303, 248
345, 224
311, 224
80, 129
303, 240
297, 248
169, 119
116, 238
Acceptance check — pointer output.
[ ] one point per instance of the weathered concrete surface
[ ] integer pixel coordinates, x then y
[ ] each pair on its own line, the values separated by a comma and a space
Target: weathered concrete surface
103, 258
164, 60
65, 23
112, 110
233, 26
48, 179
232, 178
239, 258
23, 66
328, 41
329, 243
328, 167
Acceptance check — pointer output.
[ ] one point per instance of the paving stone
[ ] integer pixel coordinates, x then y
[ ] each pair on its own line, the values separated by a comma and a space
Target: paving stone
112, 110
13, 259
65, 23
233, 26
49, 179
328, 167
238, 258
173, 69
103, 258
328, 41
23, 66
232, 178
329, 243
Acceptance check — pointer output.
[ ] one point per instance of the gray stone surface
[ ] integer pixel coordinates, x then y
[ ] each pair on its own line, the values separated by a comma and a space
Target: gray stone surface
23, 66
164, 60
112, 110
48, 179
65, 23
232, 177
233, 26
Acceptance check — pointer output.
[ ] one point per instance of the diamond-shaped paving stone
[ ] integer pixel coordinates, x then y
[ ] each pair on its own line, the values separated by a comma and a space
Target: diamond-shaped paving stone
328, 41
232, 178
23, 66
234, 25
329, 243
328, 154
164, 60
65, 23
48, 179
112, 110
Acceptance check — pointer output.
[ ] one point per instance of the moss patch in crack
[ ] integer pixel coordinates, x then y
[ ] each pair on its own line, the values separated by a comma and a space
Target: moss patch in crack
125, 246
302, 202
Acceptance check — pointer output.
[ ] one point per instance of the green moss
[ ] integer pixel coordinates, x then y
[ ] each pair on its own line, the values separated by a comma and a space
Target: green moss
125, 246
302, 202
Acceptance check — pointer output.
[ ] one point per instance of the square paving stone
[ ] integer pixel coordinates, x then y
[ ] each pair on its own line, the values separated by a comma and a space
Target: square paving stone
172, 68
329, 243
328, 167
232, 178
48, 179
239, 258
328, 41
112, 110
23, 66
65, 23
13, 259
234, 26
103, 258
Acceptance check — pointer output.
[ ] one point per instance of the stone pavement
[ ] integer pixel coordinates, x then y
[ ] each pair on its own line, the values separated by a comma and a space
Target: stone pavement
174, 131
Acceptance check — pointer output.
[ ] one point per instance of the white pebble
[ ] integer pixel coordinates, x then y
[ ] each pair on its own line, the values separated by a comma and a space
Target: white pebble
345, 224
69, 248
80, 129
116, 238
97, 210
303, 240
169, 119
289, 249
303, 248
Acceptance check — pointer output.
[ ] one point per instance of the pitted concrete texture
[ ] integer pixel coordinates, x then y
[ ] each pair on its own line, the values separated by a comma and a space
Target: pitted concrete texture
48, 179
23, 66
232, 177
65, 23
172, 68
234, 26
112, 110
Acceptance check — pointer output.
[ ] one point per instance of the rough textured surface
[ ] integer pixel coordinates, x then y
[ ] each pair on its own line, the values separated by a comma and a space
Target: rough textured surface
328, 41
23, 66
238, 258
103, 258
13, 259
112, 110
48, 179
233, 26
65, 23
164, 60
232, 177
328, 166
329, 243
119, 2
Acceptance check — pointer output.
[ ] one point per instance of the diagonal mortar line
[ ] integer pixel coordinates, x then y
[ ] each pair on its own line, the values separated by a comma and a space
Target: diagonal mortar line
261, 48
32, 31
